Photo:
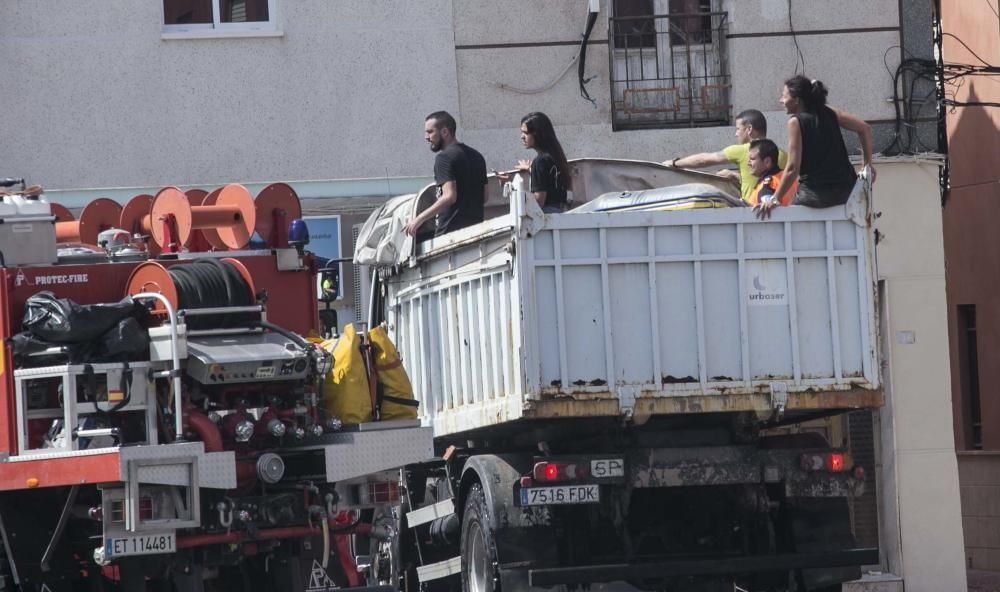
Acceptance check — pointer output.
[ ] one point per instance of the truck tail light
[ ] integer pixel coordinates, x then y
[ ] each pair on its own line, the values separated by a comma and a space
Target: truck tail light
831, 462
549, 472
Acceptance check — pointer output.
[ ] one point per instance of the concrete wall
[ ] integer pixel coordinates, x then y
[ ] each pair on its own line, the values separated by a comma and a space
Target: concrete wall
501, 43
972, 245
96, 97
921, 528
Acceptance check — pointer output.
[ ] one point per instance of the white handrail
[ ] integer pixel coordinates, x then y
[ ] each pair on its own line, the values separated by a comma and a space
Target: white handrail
176, 373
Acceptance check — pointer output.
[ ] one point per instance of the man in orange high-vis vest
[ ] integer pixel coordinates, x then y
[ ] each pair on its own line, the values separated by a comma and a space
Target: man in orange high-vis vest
763, 161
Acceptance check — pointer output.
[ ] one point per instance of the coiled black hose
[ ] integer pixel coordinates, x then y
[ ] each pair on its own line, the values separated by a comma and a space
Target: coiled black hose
210, 283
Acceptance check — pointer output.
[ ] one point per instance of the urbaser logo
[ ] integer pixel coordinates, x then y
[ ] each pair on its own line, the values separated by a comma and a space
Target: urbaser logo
763, 293
766, 283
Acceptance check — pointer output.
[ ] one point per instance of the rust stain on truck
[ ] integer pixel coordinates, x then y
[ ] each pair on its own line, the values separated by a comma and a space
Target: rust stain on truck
605, 404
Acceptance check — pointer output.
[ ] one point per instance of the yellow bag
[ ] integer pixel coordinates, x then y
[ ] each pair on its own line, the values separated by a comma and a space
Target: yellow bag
345, 387
397, 392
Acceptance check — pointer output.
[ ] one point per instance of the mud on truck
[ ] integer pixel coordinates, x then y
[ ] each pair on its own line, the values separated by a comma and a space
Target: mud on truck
163, 423
608, 387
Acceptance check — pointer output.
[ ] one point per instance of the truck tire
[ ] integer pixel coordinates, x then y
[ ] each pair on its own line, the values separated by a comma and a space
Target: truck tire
479, 553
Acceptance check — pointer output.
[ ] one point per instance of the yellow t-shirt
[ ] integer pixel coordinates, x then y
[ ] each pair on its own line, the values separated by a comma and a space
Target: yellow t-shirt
740, 154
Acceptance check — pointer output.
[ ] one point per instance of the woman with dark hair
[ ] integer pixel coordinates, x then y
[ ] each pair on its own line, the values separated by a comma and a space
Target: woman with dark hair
549, 169
817, 156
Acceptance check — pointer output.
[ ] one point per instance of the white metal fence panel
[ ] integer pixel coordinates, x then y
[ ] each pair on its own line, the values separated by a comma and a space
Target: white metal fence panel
668, 303
453, 326
634, 304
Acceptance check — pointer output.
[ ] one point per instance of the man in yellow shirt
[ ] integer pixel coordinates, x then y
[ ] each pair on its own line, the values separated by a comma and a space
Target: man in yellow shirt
750, 125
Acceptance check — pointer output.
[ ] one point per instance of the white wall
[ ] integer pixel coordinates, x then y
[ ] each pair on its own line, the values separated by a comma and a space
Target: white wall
95, 97
920, 512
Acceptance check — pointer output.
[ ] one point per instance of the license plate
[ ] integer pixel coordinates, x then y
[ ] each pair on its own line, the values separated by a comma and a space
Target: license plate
140, 544
607, 467
565, 494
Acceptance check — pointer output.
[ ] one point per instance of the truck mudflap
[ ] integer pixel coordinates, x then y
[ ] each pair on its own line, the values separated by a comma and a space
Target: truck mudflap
586, 574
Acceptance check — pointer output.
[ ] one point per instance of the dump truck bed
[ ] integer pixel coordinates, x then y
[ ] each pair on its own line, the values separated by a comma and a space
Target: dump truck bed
639, 313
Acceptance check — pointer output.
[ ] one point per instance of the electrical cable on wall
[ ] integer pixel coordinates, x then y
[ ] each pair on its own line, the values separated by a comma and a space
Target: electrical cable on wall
944, 173
906, 115
580, 58
582, 61
990, 4
976, 55
947, 78
795, 39
541, 89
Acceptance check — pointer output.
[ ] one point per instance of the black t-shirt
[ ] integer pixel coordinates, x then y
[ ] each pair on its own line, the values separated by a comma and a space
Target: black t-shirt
545, 176
824, 156
467, 169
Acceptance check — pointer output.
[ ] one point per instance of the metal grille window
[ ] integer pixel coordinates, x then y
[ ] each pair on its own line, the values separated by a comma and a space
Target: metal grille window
669, 64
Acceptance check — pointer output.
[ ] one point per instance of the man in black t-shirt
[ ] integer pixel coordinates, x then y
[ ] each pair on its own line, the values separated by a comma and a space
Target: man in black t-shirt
460, 174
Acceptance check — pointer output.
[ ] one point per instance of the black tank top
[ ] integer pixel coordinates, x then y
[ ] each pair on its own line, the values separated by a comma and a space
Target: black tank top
824, 155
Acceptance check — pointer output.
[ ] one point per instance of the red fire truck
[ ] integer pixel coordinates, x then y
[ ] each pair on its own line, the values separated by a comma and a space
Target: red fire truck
162, 423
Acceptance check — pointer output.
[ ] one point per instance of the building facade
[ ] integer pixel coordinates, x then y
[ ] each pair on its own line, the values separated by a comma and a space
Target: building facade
972, 250
140, 95
122, 97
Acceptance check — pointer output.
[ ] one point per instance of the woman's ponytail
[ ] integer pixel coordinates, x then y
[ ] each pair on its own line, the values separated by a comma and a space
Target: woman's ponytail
811, 93
818, 93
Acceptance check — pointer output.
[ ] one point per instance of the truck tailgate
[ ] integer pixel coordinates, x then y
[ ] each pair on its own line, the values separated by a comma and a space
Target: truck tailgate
665, 312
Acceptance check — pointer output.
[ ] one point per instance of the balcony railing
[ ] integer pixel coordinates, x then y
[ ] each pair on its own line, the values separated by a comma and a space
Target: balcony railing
669, 70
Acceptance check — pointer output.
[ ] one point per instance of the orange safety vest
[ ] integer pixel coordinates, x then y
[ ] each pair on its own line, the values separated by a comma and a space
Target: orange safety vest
768, 184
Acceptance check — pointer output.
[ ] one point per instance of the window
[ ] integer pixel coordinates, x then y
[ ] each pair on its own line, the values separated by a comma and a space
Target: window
692, 22
968, 368
219, 16
633, 24
669, 64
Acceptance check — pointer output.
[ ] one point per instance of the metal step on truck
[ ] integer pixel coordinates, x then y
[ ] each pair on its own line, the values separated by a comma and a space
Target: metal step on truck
615, 390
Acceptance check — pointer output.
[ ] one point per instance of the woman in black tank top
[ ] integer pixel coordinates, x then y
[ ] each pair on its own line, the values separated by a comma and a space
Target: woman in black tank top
817, 156
549, 171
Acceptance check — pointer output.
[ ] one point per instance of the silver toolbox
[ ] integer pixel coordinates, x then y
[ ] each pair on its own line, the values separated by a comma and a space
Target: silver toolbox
27, 240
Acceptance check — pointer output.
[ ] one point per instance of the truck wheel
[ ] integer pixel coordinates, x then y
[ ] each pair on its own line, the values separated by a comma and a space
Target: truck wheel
479, 554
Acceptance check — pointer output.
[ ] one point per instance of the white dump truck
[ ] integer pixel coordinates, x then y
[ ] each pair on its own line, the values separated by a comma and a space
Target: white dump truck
610, 388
